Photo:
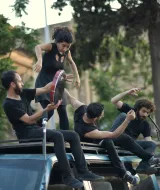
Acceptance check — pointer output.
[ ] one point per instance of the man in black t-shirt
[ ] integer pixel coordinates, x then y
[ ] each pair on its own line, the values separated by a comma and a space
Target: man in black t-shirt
18, 110
143, 108
85, 124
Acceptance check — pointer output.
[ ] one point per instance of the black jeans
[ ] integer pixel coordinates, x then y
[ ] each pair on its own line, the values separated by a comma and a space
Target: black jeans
127, 142
58, 138
113, 155
63, 118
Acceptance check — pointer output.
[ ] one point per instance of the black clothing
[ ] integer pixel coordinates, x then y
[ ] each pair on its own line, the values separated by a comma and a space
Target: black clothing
15, 109
59, 137
63, 118
127, 142
136, 126
82, 128
49, 68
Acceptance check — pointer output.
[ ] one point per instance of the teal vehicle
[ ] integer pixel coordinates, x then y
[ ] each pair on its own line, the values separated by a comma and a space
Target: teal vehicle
25, 166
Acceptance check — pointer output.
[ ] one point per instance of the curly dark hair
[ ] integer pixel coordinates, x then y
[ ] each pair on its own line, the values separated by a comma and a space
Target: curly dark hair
144, 102
94, 110
63, 34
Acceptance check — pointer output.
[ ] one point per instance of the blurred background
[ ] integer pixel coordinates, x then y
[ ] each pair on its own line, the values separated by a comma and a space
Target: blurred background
117, 48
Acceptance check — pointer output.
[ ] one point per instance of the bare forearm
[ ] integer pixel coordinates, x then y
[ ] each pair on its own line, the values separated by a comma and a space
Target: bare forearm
74, 69
72, 100
43, 90
118, 97
47, 88
120, 129
33, 118
38, 52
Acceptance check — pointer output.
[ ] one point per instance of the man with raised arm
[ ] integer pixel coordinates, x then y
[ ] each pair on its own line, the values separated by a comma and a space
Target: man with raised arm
143, 108
85, 124
18, 110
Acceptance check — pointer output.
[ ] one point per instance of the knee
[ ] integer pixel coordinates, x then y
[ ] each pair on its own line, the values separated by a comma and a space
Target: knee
75, 136
122, 116
54, 136
152, 144
107, 143
62, 109
125, 139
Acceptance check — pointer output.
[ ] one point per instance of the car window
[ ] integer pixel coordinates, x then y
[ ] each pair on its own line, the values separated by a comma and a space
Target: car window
20, 174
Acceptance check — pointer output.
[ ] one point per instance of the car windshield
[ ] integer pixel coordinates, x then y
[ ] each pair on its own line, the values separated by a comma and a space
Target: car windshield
20, 174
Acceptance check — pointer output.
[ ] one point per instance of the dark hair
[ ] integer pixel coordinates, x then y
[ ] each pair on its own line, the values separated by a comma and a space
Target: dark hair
7, 78
94, 110
63, 34
144, 102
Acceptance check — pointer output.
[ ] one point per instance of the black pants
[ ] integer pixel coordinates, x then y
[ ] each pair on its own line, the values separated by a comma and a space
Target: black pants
112, 153
58, 138
127, 142
63, 118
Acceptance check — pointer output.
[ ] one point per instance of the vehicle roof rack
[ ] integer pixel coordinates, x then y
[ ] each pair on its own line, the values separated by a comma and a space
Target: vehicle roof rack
34, 146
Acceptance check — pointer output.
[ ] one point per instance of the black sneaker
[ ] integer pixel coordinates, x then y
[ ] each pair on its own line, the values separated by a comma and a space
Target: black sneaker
72, 182
89, 176
145, 168
153, 161
128, 177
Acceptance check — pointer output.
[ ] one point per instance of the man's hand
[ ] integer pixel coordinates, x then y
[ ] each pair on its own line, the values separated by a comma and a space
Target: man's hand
131, 115
133, 91
53, 106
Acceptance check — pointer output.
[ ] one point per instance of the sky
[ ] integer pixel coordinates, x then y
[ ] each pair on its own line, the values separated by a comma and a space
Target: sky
35, 18
36, 15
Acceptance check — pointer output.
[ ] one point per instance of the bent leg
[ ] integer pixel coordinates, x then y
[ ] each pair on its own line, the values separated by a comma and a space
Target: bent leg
148, 146
74, 141
128, 143
118, 121
57, 138
112, 153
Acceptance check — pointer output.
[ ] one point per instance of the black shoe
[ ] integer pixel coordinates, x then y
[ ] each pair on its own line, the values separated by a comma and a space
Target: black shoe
72, 182
89, 176
145, 168
128, 177
153, 161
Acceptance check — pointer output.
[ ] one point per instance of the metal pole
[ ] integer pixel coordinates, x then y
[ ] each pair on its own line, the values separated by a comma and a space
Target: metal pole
47, 40
157, 127
46, 29
44, 124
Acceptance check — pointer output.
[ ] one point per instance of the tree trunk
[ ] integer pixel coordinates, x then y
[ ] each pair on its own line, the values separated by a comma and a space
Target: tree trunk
154, 39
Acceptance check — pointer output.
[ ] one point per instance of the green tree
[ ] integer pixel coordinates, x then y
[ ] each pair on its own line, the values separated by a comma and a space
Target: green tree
96, 18
12, 38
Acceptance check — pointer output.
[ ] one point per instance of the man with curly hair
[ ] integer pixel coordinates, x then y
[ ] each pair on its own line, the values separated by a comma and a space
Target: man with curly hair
143, 108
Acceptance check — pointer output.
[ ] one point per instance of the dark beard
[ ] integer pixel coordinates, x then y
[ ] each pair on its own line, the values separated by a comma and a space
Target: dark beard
140, 117
17, 90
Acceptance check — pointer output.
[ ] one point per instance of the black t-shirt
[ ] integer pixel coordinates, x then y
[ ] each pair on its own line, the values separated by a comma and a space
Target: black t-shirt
136, 126
15, 109
81, 127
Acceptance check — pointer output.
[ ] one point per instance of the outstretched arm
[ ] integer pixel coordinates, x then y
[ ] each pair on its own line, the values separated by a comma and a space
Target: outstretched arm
116, 99
74, 70
39, 49
43, 90
96, 134
72, 100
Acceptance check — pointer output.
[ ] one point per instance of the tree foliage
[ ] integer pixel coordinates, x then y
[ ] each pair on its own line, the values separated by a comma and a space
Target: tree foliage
12, 38
97, 21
